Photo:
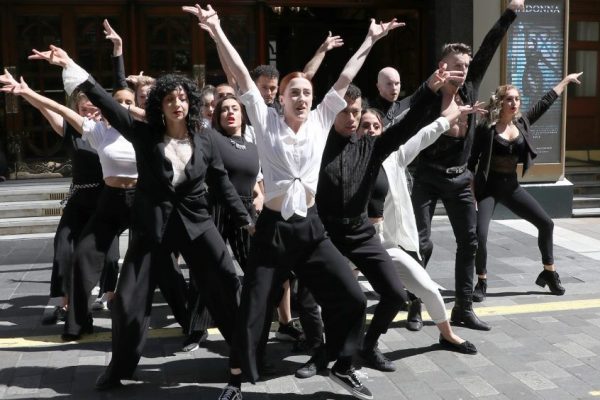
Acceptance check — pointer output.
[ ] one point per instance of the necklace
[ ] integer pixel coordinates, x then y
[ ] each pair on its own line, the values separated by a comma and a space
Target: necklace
239, 146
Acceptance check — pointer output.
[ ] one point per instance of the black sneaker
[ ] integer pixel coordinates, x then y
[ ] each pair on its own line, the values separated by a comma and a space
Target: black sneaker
375, 359
231, 393
349, 381
289, 333
317, 363
192, 342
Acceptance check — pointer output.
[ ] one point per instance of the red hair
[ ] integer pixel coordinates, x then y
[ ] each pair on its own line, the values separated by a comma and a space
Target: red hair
286, 80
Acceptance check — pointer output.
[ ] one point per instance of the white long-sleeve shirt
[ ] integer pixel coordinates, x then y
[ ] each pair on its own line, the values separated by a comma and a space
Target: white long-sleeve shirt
399, 225
291, 161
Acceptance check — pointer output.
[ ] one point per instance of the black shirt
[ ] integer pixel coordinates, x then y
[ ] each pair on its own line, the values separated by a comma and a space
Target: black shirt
350, 165
84, 159
380, 191
446, 152
240, 159
391, 110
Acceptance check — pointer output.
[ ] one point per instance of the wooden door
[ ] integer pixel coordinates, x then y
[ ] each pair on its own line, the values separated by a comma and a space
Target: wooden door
583, 110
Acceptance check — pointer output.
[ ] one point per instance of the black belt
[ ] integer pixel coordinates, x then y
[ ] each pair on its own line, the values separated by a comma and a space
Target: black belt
457, 170
346, 220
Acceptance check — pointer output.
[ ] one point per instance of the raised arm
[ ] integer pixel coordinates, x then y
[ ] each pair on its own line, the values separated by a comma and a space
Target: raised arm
536, 111
331, 42
74, 76
119, 80
209, 21
492, 40
376, 32
52, 111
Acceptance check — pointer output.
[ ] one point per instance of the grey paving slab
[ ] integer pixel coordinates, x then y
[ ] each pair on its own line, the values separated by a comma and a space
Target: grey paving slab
541, 355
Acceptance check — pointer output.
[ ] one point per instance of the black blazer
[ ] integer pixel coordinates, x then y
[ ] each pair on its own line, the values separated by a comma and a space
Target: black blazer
156, 198
481, 153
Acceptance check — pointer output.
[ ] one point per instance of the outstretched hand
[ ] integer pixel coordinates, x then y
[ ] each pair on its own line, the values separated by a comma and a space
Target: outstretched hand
111, 34
573, 78
441, 76
10, 84
208, 17
517, 5
381, 29
332, 42
55, 55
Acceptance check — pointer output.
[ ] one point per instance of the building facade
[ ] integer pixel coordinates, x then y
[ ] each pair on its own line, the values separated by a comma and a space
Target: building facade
158, 37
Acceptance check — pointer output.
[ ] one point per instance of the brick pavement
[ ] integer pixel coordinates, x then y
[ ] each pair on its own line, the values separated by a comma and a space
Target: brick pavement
540, 347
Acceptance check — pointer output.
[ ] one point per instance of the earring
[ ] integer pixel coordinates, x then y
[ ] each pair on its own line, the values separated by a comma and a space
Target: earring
163, 119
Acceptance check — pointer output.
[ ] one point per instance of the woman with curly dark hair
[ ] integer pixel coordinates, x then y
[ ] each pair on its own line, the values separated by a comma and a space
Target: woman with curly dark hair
170, 212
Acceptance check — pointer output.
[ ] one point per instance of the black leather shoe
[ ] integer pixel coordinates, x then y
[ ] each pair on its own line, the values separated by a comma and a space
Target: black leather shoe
551, 279
317, 363
463, 315
375, 359
106, 381
414, 322
479, 293
465, 347
86, 329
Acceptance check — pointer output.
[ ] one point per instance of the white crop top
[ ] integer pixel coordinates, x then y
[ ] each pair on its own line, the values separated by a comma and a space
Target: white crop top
116, 153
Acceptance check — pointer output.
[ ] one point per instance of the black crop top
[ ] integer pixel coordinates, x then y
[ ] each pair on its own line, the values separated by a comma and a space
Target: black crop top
377, 200
506, 153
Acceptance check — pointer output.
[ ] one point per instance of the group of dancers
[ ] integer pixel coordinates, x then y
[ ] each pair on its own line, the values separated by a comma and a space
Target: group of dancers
302, 192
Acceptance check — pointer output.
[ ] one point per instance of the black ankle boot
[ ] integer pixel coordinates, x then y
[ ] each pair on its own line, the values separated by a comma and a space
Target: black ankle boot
414, 322
551, 279
463, 315
479, 293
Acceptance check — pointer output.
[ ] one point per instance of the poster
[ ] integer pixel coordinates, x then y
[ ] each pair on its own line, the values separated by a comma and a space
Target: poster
535, 64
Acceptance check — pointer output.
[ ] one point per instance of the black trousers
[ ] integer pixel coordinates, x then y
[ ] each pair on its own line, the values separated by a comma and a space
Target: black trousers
505, 189
208, 258
455, 192
75, 216
111, 218
239, 242
299, 243
360, 244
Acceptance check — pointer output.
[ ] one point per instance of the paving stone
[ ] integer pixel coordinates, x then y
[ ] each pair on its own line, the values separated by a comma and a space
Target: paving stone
534, 380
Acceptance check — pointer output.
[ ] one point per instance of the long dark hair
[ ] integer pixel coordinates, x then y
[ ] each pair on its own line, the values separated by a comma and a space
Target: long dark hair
165, 85
216, 118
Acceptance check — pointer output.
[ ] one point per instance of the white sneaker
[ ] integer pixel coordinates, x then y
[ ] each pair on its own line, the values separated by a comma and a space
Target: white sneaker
99, 304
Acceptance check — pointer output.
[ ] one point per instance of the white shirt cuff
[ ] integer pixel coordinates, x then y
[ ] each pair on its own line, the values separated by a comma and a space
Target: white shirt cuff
73, 75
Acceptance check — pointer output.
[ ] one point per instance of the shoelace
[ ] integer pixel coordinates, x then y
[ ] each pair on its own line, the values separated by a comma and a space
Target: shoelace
229, 393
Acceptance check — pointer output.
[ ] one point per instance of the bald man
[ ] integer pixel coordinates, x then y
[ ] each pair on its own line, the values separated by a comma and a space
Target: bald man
389, 85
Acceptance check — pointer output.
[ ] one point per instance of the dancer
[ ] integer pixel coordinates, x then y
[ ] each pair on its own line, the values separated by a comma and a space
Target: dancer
289, 233
171, 212
81, 200
348, 171
392, 216
503, 140
388, 87
442, 168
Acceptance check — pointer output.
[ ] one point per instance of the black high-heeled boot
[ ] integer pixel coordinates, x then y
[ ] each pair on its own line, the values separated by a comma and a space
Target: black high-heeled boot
463, 315
551, 279
479, 293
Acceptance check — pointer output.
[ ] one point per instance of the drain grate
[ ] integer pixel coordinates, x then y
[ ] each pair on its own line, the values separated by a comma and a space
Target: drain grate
52, 212
57, 196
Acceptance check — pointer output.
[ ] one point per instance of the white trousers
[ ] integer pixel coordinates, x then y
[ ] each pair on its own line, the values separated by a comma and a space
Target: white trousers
416, 279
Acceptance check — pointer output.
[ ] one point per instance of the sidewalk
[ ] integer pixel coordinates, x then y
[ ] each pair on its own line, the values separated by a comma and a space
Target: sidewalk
540, 346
